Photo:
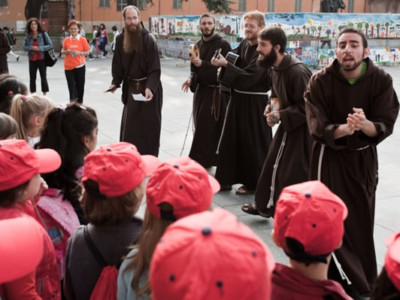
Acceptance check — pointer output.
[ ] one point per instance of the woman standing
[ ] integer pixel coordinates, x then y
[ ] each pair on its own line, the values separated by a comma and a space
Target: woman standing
75, 48
103, 40
36, 42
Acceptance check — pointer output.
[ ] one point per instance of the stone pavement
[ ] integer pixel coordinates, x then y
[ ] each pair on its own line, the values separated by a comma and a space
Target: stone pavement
175, 124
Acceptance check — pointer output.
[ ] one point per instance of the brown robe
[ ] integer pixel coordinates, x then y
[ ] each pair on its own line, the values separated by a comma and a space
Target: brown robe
246, 136
349, 165
209, 104
288, 158
141, 121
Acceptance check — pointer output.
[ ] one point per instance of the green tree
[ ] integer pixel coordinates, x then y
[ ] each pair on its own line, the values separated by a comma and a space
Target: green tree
366, 25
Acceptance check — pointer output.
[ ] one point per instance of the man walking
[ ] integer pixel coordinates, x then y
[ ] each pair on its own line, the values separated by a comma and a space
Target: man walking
246, 137
288, 160
351, 106
136, 64
209, 104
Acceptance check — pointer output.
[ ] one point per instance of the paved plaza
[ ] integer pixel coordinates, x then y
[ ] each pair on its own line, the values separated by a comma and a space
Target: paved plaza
176, 129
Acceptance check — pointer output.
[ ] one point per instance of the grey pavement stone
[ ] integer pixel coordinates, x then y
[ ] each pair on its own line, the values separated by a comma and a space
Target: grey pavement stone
175, 118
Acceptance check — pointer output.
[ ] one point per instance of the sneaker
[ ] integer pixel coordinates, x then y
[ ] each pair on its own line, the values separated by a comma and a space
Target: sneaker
104, 56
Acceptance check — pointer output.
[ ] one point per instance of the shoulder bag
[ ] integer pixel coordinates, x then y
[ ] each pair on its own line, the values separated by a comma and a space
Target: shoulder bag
50, 56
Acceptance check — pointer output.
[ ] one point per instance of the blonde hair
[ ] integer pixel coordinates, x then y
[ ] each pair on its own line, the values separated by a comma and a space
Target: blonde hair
24, 107
255, 15
8, 126
152, 230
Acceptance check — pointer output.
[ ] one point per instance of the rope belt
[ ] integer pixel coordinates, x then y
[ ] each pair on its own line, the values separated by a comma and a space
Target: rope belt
251, 93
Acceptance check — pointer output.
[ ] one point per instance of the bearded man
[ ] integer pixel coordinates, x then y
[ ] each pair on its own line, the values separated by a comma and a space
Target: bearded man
246, 137
209, 104
288, 157
136, 64
351, 107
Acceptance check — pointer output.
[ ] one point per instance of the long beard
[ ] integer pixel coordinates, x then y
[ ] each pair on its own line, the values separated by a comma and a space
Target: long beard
268, 60
133, 40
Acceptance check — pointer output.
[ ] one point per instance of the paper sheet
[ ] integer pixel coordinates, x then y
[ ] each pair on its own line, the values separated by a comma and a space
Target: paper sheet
139, 97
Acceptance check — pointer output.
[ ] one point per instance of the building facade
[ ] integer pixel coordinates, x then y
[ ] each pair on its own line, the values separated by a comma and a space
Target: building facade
55, 13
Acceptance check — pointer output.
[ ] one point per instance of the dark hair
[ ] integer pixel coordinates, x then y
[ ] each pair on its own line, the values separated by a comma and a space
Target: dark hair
114, 28
297, 253
207, 16
64, 131
109, 211
9, 197
383, 288
9, 87
102, 26
28, 26
8, 126
353, 30
276, 36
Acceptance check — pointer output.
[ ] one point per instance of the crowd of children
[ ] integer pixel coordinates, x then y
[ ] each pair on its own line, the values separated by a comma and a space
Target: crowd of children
68, 216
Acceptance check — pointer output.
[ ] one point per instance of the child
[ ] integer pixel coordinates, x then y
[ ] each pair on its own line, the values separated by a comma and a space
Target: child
387, 286
20, 167
308, 226
177, 189
30, 112
72, 132
8, 127
113, 181
211, 255
9, 87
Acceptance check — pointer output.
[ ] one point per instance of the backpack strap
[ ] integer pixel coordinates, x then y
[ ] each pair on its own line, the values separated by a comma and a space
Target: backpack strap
92, 247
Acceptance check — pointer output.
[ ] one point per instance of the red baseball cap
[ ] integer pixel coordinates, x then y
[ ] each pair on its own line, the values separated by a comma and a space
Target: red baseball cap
310, 213
182, 183
210, 255
118, 168
392, 259
21, 247
19, 163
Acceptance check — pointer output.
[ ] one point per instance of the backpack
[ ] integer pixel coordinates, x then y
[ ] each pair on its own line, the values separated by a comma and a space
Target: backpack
106, 285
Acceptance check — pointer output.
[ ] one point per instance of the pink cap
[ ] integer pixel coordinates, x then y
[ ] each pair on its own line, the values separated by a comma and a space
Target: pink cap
21, 247
19, 163
210, 255
310, 213
392, 259
118, 168
182, 183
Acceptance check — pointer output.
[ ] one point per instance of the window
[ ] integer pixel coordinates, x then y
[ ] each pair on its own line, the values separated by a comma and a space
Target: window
271, 5
3, 3
177, 4
121, 4
242, 5
297, 6
141, 4
104, 3
350, 7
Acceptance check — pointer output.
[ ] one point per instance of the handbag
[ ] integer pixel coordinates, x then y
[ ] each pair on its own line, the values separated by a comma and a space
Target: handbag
50, 57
